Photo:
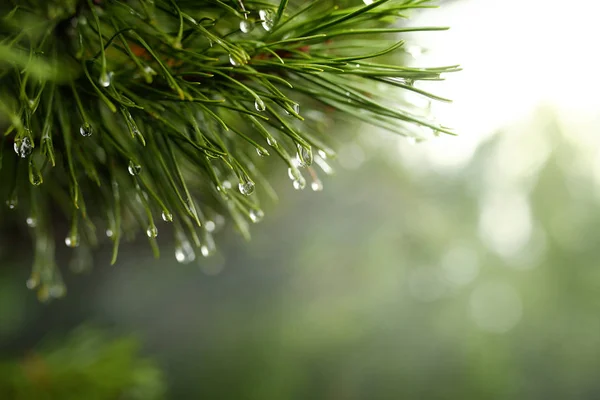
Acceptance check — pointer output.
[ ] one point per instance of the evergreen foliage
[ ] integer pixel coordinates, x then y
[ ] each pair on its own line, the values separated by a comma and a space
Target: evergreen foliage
118, 113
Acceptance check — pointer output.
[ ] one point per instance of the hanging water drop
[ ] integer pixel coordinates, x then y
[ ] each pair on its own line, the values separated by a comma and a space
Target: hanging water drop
205, 250
105, 79
305, 155
368, 2
35, 176
233, 61
72, 240
268, 19
296, 108
259, 104
271, 141
149, 70
134, 169
86, 130
167, 216
208, 247
299, 184
322, 154
298, 180
57, 290
316, 185
31, 222
152, 231
184, 253
12, 201
23, 146
246, 187
246, 26
33, 281
131, 123
262, 152
109, 233
256, 215
210, 226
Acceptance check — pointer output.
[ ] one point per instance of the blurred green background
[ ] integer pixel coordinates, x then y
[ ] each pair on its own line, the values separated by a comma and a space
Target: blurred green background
460, 268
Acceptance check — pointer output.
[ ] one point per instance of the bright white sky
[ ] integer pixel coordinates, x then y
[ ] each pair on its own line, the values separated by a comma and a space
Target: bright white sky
516, 55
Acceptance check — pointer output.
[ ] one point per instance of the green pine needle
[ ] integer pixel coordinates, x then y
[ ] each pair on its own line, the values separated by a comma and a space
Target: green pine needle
119, 113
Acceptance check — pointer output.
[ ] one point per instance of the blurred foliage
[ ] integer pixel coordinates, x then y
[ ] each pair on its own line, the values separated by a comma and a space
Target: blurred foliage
400, 290
87, 365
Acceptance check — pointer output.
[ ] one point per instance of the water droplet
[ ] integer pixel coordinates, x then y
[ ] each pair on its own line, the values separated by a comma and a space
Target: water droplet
256, 215
368, 2
409, 82
131, 122
86, 129
72, 241
268, 19
210, 226
246, 187
109, 233
305, 155
35, 176
271, 141
299, 184
262, 152
208, 248
184, 253
57, 290
296, 108
31, 222
259, 104
149, 70
322, 154
13, 201
33, 281
134, 169
167, 216
23, 146
316, 185
152, 231
227, 184
233, 61
246, 26
31, 103
105, 79
205, 250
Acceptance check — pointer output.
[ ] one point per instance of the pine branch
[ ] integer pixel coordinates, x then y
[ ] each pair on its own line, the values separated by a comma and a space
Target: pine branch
126, 110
